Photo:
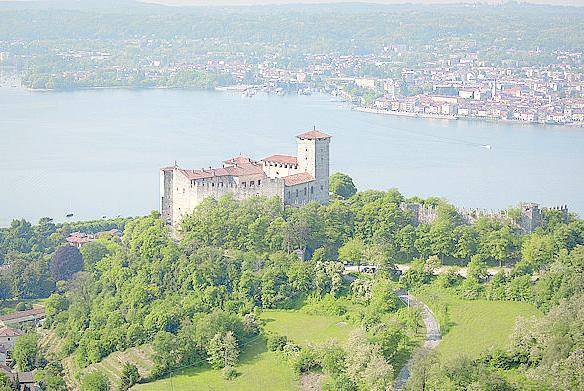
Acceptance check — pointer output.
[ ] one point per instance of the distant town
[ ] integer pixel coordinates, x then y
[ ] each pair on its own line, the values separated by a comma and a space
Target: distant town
457, 85
413, 67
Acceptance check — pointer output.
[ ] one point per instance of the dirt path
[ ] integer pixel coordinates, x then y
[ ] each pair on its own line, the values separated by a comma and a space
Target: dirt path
432, 336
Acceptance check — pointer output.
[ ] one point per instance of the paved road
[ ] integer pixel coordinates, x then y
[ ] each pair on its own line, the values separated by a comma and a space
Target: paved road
432, 336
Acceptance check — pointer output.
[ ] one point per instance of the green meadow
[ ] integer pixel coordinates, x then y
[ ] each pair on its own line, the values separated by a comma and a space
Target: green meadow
474, 325
259, 368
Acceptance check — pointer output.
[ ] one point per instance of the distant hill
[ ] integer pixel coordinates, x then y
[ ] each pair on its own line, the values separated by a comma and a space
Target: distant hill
159, 4
256, 2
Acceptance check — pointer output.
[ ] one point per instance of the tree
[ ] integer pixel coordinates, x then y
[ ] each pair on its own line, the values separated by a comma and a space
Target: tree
95, 381
538, 250
341, 185
26, 352
66, 261
5, 383
477, 269
378, 374
223, 350
352, 252
51, 378
165, 347
129, 376
366, 365
420, 373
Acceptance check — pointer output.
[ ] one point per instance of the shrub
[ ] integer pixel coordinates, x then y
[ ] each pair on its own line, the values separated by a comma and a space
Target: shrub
229, 373
449, 279
22, 306
95, 381
129, 376
305, 360
276, 342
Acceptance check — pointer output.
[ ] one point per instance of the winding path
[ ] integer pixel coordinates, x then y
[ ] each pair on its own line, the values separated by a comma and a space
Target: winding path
432, 335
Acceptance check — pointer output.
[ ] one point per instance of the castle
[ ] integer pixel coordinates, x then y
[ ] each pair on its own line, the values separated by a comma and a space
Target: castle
296, 180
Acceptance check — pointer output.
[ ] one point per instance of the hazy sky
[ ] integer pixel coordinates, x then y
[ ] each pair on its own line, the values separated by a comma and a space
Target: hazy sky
256, 2
248, 2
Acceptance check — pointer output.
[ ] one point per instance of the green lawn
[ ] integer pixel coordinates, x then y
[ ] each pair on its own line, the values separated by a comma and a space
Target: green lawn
260, 369
303, 328
476, 325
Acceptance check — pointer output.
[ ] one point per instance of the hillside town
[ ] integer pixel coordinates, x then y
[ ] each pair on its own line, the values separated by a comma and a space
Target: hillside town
452, 82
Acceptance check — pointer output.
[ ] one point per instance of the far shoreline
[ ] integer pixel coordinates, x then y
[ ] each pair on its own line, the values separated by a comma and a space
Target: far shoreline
237, 89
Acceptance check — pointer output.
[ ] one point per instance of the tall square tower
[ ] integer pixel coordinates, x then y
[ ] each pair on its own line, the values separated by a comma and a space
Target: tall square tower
313, 158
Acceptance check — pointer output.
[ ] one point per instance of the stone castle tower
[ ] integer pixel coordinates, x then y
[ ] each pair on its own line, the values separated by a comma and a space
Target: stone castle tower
313, 158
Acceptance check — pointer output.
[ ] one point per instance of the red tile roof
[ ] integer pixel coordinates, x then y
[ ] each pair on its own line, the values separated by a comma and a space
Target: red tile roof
297, 179
8, 332
23, 314
239, 161
237, 166
79, 238
286, 159
313, 135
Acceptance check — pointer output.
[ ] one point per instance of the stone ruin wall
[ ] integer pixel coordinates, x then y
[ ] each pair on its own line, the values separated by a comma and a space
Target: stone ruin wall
531, 214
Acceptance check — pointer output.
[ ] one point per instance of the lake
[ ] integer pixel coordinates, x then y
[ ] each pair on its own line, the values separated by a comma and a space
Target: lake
97, 153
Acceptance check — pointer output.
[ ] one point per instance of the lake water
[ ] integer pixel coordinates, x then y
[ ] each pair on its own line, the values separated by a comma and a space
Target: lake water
97, 153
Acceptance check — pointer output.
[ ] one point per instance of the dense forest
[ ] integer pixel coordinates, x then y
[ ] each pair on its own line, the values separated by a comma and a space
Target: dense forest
117, 46
196, 294
343, 27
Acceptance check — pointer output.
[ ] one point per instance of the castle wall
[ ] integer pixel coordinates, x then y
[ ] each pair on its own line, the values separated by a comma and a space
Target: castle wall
186, 194
279, 170
530, 219
166, 195
182, 198
300, 194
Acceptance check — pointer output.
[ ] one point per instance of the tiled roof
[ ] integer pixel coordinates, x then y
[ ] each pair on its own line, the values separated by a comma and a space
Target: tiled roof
297, 179
9, 332
313, 135
23, 314
79, 238
25, 377
237, 166
286, 159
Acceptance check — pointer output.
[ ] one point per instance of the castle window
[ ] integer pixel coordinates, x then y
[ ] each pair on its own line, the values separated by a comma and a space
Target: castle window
259, 182
305, 191
213, 184
311, 189
321, 187
296, 193
251, 183
243, 184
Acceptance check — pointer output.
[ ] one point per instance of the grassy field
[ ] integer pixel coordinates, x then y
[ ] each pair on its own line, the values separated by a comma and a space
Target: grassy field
303, 328
260, 369
475, 325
